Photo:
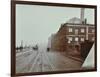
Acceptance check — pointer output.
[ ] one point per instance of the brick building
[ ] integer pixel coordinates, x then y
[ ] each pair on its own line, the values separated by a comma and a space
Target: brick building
77, 33
58, 40
71, 34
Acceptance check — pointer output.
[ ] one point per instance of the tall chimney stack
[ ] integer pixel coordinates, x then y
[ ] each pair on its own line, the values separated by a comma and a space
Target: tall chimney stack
82, 15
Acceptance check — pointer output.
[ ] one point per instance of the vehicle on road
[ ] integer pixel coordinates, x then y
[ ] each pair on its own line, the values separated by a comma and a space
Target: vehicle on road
35, 47
48, 49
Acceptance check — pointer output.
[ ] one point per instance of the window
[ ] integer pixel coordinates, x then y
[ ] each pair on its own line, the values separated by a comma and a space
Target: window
76, 38
82, 30
92, 30
70, 30
76, 31
92, 38
69, 39
82, 39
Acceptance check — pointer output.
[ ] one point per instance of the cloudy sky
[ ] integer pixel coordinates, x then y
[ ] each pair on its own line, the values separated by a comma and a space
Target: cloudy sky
34, 23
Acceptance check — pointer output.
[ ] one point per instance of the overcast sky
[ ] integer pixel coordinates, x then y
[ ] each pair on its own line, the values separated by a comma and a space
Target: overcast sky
34, 23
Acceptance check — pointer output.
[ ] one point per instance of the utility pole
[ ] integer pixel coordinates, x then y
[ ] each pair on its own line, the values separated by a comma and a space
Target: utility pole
22, 43
21, 47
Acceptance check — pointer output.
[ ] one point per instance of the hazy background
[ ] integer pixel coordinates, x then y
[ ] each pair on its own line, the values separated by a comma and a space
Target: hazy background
34, 23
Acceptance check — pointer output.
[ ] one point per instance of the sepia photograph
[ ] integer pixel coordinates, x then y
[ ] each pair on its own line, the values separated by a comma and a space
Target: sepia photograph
54, 38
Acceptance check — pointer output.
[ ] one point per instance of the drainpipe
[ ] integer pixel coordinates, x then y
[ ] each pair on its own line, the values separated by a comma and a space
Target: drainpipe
86, 32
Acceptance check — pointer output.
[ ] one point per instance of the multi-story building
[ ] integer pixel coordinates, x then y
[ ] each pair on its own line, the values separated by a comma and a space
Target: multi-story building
71, 34
77, 33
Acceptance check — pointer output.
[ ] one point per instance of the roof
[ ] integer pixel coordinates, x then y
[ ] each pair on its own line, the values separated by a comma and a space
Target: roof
75, 20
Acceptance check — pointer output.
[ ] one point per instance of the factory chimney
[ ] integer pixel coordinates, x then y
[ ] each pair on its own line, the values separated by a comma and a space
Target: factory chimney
82, 15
